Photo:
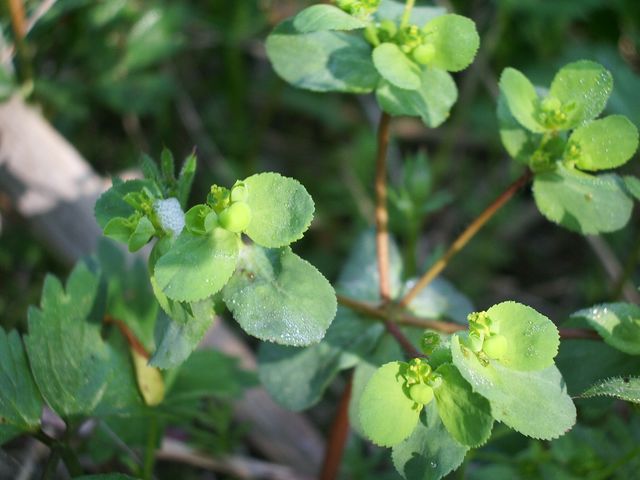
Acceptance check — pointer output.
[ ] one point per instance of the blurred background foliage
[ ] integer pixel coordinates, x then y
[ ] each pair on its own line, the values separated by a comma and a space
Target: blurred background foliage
122, 77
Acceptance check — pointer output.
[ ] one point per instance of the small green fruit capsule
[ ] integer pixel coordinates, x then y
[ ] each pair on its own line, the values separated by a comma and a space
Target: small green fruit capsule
388, 29
495, 346
424, 54
235, 218
421, 393
371, 35
210, 221
550, 104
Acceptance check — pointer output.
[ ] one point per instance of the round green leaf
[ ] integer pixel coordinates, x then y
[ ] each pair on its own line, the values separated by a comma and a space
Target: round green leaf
430, 452
521, 98
455, 39
605, 143
532, 339
119, 229
322, 61
281, 209
395, 67
325, 17
465, 414
197, 266
617, 323
582, 203
535, 404
432, 101
387, 414
587, 85
276, 296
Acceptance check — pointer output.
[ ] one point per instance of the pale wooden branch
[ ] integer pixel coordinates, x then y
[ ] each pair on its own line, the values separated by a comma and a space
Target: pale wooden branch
54, 189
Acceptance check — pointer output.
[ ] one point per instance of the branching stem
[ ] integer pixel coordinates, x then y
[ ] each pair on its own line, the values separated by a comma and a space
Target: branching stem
406, 15
381, 213
465, 236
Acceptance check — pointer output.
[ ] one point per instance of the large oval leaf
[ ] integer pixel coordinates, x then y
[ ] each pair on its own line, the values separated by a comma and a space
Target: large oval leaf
396, 67
521, 98
325, 17
432, 101
617, 323
582, 203
197, 266
535, 404
275, 295
322, 61
455, 39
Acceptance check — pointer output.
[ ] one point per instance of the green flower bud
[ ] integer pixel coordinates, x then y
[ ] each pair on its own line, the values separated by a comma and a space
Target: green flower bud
239, 192
424, 53
475, 341
421, 393
235, 218
495, 346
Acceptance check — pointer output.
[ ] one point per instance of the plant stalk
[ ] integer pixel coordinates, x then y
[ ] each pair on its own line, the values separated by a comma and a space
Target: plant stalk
337, 438
467, 235
406, 15
381, 212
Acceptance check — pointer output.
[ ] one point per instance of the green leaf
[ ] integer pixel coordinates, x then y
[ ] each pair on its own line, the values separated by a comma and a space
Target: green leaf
532, 339
432, 101
633, 186
68, 357
535, 404
455, 39
587, 85
387, 350
617, 323
395, 67
276, 296
521, 98
129, 295
387, 414
322, 61
519, 142
185, 179
141, 235
440, 299
325, 17
197, 266
420, 14
111, 203
582, 203
296, 377
118, 228
465, 414
281, 209
624, 388
20, 401
605, 143
430, 452
209, 373
360, 275
176, 340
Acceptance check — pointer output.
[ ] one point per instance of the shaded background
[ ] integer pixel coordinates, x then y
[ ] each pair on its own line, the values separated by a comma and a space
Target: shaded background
118, 78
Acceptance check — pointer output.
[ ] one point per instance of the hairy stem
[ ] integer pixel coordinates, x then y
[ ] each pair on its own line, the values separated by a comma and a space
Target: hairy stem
467, 235
337, 438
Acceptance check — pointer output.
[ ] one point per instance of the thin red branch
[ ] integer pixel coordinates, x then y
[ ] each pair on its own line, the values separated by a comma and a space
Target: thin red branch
464, 238
128, 335
337, 438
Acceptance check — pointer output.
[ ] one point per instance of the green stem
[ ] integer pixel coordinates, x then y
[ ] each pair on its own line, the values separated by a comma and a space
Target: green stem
406, 15
629, 267
59, 450
52, 465
150, 451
